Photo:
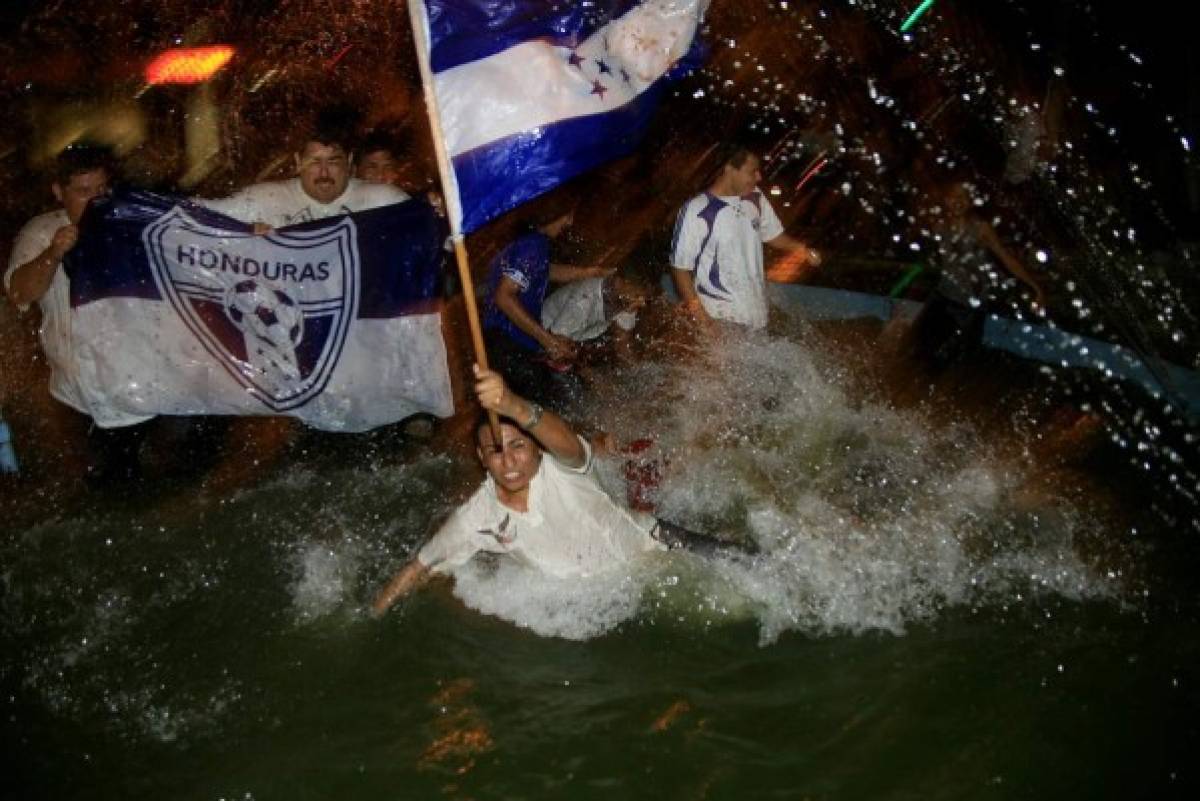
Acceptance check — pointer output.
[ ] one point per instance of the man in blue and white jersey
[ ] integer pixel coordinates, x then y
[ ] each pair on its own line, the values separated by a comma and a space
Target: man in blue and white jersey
717, 253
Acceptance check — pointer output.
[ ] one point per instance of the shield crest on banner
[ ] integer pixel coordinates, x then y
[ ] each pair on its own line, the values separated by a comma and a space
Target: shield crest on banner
273, 310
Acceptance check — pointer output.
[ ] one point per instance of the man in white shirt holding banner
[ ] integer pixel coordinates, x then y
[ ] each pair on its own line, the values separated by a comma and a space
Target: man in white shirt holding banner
323, 186
331, 317
35, 274
552, 90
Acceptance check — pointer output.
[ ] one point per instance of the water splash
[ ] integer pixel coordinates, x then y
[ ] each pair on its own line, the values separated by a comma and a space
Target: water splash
869, 520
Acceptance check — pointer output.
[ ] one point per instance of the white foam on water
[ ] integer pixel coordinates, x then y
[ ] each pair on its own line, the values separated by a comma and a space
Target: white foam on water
325, 575
571, 608
344, 549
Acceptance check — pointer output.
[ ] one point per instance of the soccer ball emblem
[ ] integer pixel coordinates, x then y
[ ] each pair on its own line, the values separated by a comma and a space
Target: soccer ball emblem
266, 313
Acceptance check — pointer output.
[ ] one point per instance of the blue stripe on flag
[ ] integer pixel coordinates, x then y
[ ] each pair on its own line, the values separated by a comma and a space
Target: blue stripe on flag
399, 248
110, 260
462, 31
502, 174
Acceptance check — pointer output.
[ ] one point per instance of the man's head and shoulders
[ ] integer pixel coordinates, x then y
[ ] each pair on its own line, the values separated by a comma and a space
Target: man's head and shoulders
518, 470
546, 510
519, 473
82, 172
324, 184
386, 157
377, 158
734, 187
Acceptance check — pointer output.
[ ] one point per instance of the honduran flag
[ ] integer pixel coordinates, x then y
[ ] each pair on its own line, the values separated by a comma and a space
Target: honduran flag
178, 310
530, 93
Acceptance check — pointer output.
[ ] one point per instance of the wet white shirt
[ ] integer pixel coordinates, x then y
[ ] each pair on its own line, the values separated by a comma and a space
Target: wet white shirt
720, 241
280, 203
55, 332
572, 528
576, 310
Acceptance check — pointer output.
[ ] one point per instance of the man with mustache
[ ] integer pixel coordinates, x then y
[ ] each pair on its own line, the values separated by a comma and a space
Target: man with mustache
321, 188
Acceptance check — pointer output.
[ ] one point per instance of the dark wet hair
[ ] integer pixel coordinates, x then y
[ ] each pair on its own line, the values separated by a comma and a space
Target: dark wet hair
481, 422
334, 126
736, 155
80, 158
377, 140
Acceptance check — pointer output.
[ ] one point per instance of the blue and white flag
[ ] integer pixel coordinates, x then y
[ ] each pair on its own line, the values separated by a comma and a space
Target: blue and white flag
530, 93
178, 310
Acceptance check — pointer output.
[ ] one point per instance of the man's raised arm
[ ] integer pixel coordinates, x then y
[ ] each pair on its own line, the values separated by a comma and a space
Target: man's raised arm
30, 279
550, 430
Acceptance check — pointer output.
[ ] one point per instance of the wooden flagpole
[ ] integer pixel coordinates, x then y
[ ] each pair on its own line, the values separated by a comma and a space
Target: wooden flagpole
420, 27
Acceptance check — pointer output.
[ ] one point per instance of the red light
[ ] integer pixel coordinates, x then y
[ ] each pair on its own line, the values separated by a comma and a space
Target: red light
188, 64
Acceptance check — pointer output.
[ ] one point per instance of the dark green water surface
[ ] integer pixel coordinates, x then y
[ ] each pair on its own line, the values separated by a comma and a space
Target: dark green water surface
914, 630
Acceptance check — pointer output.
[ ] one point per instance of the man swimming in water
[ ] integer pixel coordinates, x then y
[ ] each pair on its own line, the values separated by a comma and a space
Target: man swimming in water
540, 504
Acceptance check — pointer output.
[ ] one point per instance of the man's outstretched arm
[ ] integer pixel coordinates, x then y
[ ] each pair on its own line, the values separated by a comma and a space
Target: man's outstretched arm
566, 273
410, 577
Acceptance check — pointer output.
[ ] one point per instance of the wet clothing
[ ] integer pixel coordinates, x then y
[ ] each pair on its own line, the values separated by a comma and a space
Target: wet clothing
675, 536
584, 310
281, 203
512, 352
720, 241
525, 262
572, 528
576, 310
55, 331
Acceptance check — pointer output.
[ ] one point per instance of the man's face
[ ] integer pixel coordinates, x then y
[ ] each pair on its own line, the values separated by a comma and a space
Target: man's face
514, 466
379, 167
324, 171
79, 191
746, 177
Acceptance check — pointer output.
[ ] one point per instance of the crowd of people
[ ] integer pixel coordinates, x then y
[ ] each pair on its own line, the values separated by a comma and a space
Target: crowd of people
544, 321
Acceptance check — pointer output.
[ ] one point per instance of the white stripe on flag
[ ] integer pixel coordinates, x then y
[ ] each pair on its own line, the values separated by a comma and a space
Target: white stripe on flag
535, 84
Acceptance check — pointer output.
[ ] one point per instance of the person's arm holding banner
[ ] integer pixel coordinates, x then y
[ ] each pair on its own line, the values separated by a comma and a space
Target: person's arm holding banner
30, 279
